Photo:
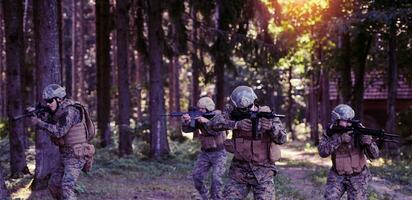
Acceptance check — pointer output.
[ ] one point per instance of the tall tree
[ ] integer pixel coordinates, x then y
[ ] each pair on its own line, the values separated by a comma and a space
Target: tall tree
68, 35
159, 144
122, 26
4, 194
48, 71
13, 17
392, 83
3, 95
103, 70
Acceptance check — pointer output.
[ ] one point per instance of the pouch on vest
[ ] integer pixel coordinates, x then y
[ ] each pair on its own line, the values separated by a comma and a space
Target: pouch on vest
274, 152
242, 149
343, 164
229, 146
259, 151
208, 142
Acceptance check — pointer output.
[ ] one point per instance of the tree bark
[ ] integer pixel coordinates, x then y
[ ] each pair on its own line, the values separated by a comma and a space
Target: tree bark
290, 104
122, 25
4, 194
392, 149
48, 71
80, 54
159, 143
313, 109
68, 35
364, 41
3, 95
345, 69
13, 17
220, 58
103, 70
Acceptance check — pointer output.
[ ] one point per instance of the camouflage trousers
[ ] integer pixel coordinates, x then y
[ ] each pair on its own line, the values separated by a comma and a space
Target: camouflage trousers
206, 160
245, 177
355, 185
63, 180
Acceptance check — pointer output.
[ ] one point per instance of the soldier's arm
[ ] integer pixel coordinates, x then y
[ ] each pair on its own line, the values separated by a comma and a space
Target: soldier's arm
186, 127
372, 151
69, 118
221, 122
328, 145
278, 133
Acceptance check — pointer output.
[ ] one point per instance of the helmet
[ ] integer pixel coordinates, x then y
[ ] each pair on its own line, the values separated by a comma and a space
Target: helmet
342, 111
54, 91
243, 96
206, 103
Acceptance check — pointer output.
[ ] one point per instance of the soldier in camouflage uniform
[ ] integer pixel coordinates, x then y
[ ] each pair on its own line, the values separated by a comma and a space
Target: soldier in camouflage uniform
66, 127
253, 164
212, 155
349, 171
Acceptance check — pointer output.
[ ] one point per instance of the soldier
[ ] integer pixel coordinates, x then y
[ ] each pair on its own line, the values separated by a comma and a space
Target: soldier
253, 164
213, 154
66, 124
349, 171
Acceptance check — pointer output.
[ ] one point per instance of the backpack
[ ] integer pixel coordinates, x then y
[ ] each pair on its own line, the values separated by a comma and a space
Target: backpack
90, 128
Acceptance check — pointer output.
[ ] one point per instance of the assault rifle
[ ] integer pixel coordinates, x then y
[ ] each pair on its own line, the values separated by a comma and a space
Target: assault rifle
358, 131
254, 116
193, 113
39, 109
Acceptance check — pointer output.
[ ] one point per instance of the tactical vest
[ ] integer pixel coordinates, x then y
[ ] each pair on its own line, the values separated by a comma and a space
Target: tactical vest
348, 160
212, 143
258, 151
77, 133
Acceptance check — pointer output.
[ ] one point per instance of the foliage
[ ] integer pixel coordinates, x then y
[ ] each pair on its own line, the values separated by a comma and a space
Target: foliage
3, 129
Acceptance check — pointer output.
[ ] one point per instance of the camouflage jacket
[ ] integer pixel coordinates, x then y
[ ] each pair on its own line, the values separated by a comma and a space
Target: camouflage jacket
328, 145
59, 123
224, 122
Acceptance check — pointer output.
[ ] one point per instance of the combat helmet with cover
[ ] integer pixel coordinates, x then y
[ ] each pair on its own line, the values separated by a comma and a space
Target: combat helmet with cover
52, 91
243, 96
342, 112
206, 103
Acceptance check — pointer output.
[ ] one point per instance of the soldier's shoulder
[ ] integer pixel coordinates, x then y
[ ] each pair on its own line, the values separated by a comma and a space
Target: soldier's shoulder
264, 109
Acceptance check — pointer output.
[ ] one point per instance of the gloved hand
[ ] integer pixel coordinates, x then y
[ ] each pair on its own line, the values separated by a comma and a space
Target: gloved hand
265, 123
30, 109
346, 137
186, 117
366, 140
202, 120
34, 120
244, 125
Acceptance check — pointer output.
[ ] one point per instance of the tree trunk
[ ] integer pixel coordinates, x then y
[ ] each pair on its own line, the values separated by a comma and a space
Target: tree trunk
364, 40
4, 194
326, 110
122, 25
159, 143
3, 95
68, 34
80, 54
392, 149
174, 96
48, 71
103, 70
13, 17
220, 58
313, 109
345, 70
290, 104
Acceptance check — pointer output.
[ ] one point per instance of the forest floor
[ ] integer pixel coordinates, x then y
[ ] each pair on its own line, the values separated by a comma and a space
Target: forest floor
301, 175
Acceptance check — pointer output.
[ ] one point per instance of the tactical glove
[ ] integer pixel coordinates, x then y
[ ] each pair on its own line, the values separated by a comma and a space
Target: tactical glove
366, 140
244, 125
346, 137
266, 124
